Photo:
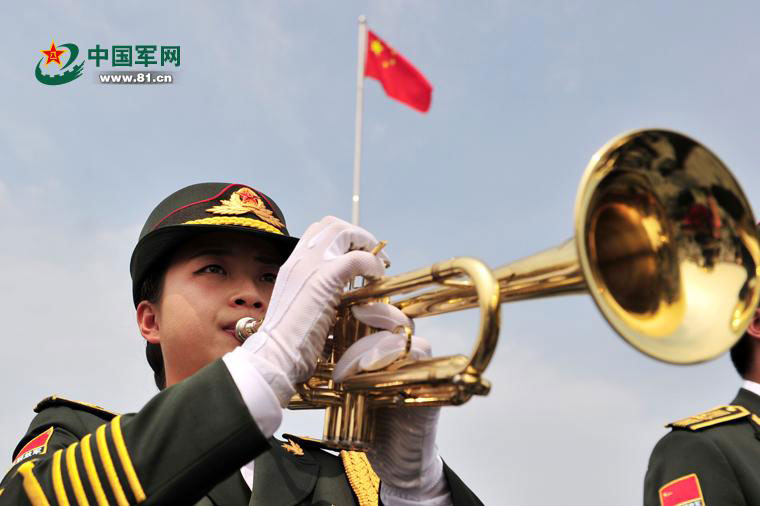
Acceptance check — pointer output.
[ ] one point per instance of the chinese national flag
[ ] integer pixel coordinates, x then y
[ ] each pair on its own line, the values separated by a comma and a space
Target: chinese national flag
399, 78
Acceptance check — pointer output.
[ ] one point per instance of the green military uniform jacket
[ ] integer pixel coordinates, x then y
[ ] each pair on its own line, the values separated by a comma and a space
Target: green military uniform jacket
186, 446
709, 459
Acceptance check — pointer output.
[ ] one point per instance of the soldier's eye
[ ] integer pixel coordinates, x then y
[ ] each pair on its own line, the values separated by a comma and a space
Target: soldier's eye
213, 269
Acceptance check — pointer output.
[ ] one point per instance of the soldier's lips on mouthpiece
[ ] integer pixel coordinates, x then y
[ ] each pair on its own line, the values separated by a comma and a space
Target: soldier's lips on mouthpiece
230, 330
230, 326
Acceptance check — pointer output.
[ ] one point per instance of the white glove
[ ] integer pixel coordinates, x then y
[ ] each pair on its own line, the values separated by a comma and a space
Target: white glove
404, 455
375, 351
305, 299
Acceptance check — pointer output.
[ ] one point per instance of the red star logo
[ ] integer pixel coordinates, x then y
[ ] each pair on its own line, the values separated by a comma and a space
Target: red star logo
53, 54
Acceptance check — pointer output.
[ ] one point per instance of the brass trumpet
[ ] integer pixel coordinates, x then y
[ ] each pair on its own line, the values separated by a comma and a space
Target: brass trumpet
665, 242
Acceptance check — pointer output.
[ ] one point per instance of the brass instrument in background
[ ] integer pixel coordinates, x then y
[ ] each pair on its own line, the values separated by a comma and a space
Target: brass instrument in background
665, 242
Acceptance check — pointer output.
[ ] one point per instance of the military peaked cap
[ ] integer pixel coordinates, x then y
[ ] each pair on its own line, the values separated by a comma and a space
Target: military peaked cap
205, 207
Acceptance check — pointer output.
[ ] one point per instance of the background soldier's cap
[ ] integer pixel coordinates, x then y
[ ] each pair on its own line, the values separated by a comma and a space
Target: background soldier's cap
206, 207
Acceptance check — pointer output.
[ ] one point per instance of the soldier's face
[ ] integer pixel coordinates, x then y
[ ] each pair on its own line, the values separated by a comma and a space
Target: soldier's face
212, 282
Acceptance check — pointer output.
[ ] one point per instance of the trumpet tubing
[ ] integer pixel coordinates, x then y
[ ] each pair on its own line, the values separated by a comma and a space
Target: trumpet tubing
665, 243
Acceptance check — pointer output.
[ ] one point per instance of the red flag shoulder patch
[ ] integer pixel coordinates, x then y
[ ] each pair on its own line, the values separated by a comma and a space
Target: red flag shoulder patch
37, 446
683, 491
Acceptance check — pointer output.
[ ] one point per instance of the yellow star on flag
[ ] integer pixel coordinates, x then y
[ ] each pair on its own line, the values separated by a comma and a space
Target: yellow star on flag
376, 46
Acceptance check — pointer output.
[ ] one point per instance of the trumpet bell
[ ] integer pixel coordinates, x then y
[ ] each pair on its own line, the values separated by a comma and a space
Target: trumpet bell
667, 245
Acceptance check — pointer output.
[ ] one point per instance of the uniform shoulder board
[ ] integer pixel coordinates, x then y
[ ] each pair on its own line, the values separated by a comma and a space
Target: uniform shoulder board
55, 400
715, 416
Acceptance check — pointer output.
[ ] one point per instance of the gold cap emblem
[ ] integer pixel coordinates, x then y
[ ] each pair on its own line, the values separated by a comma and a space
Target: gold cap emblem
244, 201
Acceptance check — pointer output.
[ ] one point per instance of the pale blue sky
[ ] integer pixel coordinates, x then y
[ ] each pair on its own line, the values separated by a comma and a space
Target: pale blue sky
524, 93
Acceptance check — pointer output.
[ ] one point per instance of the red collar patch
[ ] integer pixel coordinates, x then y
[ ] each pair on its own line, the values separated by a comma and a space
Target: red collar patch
37, 446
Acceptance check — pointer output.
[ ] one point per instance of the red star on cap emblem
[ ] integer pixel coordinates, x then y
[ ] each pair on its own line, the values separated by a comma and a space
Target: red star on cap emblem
53, 54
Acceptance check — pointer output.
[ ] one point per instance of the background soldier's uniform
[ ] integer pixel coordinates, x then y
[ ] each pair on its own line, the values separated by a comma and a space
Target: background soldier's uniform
186, 445
721, 448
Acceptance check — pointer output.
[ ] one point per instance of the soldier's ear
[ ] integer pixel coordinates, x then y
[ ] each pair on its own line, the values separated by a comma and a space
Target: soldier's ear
754, 326
147, 321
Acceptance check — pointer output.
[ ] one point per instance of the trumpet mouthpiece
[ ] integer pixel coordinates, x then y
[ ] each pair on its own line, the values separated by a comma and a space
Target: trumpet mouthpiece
246, 327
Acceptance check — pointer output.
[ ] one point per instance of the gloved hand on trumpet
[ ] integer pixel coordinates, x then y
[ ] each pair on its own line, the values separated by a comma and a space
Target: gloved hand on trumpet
404, 454
285, 349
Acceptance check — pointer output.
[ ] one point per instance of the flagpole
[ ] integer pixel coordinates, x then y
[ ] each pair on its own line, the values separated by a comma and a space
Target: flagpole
362, 51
